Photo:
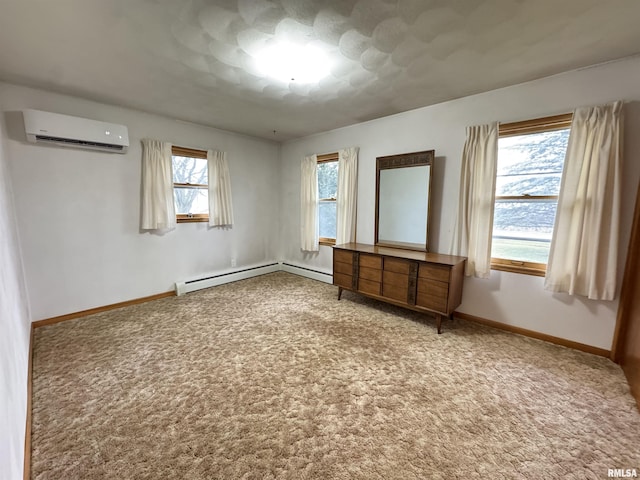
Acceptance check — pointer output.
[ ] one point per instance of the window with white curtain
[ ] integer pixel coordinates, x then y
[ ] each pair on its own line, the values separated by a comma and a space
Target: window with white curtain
327, 197
190, 184
530, 162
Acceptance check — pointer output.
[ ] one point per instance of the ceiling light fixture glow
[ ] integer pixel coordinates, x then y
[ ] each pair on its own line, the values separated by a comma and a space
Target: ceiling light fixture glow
287, 63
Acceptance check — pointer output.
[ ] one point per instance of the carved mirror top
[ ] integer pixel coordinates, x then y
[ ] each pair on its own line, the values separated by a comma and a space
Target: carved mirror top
405, 160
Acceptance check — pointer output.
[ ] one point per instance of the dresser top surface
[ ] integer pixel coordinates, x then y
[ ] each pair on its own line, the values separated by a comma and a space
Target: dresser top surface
401, 253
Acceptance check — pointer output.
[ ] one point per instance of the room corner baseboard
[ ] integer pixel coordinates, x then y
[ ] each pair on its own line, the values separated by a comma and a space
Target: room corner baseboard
537, 335
307, 272
105, 308
27, 430
186, 287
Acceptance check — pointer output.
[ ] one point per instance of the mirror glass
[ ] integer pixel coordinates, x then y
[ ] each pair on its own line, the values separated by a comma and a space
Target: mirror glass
402, 200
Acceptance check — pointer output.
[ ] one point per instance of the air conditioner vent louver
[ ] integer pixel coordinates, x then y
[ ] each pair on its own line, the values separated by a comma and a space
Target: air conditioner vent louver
79, 143
75, 132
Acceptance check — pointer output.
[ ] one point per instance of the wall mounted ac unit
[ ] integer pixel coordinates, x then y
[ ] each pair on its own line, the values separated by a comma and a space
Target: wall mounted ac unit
68, 131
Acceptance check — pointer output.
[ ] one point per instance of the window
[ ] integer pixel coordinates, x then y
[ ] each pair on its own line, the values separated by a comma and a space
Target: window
530, 162
327, 194
190, 184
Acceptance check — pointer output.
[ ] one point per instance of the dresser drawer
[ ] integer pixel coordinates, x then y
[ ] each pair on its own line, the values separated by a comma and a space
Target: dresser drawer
395, 286
339, 267
432, 294
368, 286
396, 265
372, 274
370, 261
434, 272
343, 256
342, 280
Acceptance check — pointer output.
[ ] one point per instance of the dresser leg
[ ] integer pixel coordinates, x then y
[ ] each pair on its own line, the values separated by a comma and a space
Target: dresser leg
439, 323
339, 292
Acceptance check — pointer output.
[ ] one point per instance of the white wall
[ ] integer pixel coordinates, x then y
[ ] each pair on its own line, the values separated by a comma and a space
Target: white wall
78, 211
15, 328
512, 299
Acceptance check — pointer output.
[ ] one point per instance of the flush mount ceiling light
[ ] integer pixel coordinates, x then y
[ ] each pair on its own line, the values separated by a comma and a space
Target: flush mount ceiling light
287, 62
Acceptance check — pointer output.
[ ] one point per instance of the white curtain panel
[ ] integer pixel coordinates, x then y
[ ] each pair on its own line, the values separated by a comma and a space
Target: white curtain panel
310, 235
474, 226
158, 208
347, 195
584, 248
220, 205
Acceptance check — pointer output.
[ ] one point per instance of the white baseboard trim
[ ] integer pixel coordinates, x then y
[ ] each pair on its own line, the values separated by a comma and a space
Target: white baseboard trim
226, 277
307, 272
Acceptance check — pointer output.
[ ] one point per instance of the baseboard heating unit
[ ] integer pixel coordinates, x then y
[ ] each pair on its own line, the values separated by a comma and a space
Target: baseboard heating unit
307, 272
248, 272
225, 277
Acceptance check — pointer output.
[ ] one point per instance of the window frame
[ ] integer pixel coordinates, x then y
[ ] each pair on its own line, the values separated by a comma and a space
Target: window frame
327, 158
537, 125
191, 153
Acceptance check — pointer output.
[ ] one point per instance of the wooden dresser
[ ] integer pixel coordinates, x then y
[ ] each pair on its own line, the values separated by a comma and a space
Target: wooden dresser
422, 281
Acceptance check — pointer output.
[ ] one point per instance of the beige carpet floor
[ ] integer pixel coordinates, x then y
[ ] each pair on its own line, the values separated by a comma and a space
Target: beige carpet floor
272, 377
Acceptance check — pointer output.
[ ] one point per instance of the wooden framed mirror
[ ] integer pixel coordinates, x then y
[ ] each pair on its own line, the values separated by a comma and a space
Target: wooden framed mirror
403, 198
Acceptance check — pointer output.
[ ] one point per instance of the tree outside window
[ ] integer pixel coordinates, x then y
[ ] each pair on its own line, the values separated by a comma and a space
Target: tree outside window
190, 185
327, 195
527, 186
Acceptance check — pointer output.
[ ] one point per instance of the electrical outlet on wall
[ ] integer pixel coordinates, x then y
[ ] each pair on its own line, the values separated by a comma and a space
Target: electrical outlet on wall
233, 262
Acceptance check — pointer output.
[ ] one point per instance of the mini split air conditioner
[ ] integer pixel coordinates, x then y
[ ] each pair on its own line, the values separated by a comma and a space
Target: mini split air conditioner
68, 131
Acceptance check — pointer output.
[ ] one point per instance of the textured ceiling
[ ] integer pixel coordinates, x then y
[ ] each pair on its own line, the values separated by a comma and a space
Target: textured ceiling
195, 60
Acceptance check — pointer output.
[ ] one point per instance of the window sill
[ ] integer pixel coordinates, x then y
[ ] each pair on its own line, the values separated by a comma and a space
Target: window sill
525, 268
327, 242
192, 220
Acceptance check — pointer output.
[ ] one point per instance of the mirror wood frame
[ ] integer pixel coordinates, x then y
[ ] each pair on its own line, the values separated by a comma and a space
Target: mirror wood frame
404, 160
